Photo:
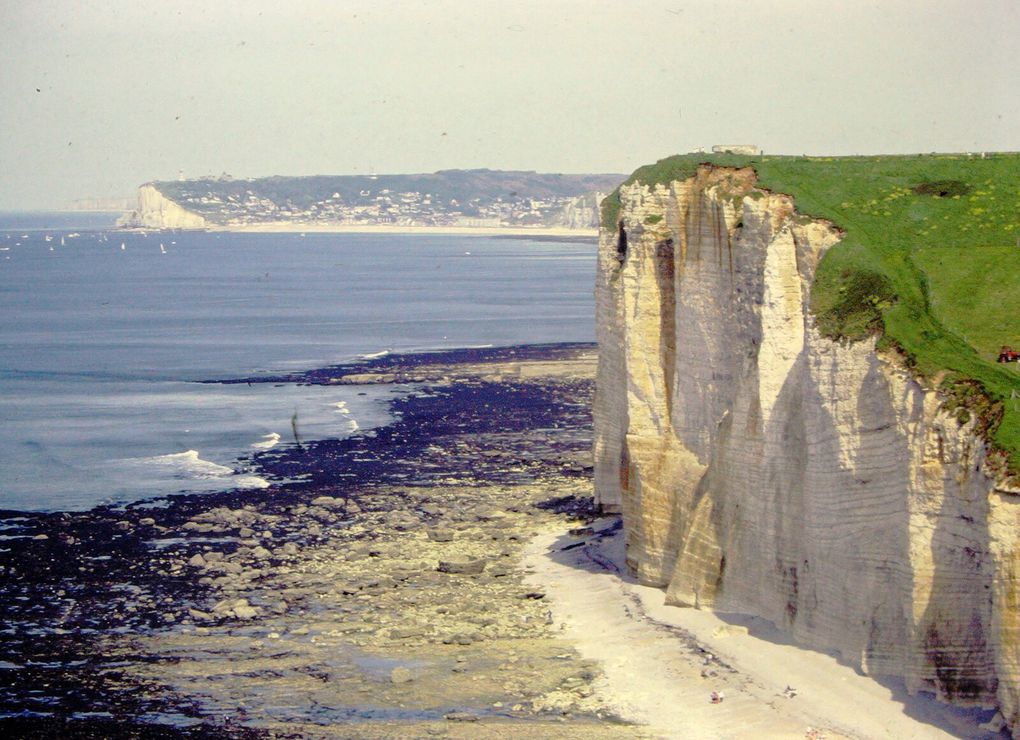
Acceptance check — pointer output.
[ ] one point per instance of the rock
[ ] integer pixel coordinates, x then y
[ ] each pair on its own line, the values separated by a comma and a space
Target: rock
440, 534
197, 561
995, 724
230, 606
41, 537
245, 612
401, 675
460, 717
199, 616
404, 633
124, 526
459, 638
147, 521
802, 413
261, 553
464, 565
328, 502
488, 515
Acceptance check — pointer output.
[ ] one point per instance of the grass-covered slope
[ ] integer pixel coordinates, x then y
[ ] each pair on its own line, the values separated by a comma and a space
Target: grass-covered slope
930, 260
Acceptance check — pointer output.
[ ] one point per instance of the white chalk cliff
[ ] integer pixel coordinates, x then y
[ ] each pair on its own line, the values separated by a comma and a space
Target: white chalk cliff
156, 211
763, 469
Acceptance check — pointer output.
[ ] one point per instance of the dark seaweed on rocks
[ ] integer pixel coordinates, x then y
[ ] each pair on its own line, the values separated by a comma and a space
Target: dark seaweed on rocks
73, 583
405, 367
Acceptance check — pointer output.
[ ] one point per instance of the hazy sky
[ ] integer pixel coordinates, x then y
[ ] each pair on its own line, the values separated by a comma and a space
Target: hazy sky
98, 97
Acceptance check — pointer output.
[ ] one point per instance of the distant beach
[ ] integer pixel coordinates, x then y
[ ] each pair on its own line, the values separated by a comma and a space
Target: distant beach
341, 228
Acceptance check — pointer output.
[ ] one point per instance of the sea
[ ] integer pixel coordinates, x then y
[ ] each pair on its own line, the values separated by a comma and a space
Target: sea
106, 337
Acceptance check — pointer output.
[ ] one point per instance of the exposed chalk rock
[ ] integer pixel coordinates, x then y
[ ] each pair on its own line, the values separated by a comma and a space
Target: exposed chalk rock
763, 469
156, 211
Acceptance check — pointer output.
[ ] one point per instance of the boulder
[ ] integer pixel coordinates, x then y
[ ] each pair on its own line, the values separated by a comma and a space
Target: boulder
462, 564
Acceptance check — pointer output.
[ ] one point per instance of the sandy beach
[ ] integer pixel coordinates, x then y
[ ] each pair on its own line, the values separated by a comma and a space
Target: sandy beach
661, 664
342, 228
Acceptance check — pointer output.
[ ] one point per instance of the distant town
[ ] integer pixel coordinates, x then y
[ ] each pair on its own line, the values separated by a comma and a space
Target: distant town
450, 198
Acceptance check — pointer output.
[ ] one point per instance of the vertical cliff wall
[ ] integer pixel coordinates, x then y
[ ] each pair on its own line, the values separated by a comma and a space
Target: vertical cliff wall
761, 468
156, 211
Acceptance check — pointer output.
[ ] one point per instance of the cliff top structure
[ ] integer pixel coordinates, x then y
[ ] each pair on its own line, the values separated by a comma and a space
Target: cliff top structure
929, 260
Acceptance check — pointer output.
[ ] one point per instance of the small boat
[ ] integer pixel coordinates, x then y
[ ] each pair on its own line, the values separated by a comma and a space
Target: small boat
123, 246
162, 249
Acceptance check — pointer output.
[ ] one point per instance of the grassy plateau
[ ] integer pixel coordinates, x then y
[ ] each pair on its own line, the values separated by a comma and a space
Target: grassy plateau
930, 261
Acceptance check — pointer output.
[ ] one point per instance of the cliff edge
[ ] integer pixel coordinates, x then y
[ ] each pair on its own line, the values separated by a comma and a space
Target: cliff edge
156, 211
763, 468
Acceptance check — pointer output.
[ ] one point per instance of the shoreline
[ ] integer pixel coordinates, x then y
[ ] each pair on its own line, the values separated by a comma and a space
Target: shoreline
373, 590
445, 575
291, 227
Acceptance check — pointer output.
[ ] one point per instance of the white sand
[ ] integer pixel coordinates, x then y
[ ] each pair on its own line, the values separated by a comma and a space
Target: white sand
654, 657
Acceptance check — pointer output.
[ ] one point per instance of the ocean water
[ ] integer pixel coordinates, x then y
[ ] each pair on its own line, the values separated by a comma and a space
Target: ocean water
104, 336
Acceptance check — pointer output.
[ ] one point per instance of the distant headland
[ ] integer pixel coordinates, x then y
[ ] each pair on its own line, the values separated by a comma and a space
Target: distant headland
469, 201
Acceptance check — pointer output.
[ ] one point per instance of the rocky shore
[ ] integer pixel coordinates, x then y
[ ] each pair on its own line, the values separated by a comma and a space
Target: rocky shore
376, 589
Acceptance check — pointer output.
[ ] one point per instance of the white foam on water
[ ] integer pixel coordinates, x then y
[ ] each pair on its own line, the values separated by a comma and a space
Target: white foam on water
374, 355
268, 442
250, 481
341, 407
352, 425
188, 466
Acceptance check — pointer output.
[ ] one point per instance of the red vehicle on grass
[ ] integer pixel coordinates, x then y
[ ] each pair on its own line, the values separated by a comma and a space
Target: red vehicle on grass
1008, 354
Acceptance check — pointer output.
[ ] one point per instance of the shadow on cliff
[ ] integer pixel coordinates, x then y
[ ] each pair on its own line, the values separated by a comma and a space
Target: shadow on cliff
598, 549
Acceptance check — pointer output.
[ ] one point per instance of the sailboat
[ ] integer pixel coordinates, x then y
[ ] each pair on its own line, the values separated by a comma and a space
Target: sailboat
162, 249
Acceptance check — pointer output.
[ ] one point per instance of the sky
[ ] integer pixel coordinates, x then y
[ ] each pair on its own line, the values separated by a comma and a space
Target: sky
99, 97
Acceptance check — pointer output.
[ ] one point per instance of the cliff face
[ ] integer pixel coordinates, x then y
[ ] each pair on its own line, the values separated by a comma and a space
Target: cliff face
581, 212
156, 211
764, 469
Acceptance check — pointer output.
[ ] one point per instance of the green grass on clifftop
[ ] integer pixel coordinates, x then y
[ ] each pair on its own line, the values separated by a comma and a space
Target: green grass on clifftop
930, 260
